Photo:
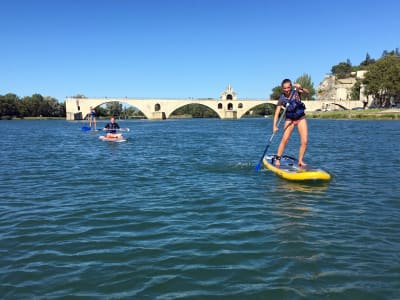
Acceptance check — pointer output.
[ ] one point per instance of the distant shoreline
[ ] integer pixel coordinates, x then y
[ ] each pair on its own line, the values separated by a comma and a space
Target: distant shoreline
367, 114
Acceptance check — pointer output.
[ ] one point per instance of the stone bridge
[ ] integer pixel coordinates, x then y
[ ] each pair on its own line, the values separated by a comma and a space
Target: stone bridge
227, 107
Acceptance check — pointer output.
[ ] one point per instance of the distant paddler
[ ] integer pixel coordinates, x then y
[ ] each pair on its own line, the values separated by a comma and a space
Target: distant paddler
112, 128
92, 118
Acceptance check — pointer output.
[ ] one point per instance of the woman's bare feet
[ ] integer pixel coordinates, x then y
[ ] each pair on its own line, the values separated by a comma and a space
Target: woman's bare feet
302, 164
277, 161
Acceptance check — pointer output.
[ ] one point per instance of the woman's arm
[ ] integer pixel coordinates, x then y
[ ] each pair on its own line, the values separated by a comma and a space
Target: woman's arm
276, 117
301, 89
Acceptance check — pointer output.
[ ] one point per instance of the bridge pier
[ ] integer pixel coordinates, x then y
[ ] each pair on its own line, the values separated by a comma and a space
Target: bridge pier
158, 115
230, 114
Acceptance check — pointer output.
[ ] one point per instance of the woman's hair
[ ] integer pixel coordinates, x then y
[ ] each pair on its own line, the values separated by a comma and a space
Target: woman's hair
286, 81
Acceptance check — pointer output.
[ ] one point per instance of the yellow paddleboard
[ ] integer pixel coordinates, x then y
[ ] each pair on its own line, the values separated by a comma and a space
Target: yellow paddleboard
290, 170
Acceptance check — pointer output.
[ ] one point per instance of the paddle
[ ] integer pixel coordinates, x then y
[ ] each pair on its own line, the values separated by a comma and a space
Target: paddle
86, 128
117, 129
258, 166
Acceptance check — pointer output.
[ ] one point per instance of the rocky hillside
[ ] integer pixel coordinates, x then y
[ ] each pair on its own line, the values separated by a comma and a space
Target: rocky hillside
332, 88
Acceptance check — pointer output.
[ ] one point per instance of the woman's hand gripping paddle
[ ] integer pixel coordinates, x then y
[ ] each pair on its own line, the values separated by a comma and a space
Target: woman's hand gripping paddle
258, 166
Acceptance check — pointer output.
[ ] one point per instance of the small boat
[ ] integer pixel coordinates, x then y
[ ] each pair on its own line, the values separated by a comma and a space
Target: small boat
289, 169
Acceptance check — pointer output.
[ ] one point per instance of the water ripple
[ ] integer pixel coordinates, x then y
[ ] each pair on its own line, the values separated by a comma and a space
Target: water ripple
179, 213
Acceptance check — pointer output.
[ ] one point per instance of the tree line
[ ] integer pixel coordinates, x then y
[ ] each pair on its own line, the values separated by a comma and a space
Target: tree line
382, 82
11, 106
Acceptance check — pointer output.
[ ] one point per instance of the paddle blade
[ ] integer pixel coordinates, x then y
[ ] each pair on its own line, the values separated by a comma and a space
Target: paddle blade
258, 167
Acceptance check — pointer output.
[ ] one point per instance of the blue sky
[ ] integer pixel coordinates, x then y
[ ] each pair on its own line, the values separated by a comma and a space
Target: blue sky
184, 48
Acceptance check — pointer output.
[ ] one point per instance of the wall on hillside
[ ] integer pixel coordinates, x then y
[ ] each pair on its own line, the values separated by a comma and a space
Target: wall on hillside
332, 88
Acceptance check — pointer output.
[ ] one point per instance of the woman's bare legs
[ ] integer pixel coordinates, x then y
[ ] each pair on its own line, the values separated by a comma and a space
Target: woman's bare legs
303, 132
287, 131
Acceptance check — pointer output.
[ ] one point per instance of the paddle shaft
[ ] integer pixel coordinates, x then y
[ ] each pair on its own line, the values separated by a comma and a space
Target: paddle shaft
258, 166
116, 129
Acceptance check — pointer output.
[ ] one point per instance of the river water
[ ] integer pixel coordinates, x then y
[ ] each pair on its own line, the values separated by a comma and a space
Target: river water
178, 212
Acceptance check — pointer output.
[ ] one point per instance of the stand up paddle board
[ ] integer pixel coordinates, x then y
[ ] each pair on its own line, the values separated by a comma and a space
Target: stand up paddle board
115, 140
290, 170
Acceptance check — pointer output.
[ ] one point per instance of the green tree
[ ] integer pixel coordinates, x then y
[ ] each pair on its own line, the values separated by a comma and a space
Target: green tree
342, 70
50, 107
355, 91
61, 110
263, 109
114, 108
276, 93
305, 81
196, 111
8, 106
30, 106
102, 112
382, 81
33, 106
367, 61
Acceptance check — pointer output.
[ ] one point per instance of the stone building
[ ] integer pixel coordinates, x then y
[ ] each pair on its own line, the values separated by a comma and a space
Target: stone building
332, 88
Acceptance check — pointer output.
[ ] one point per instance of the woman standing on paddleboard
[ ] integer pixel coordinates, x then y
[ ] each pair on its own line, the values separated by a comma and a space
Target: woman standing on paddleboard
92, 118
295, 115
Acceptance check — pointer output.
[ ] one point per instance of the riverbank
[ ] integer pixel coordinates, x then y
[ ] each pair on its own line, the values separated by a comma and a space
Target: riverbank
368, 114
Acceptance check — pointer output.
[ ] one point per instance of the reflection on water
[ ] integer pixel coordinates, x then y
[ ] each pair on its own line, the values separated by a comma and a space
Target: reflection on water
303, 186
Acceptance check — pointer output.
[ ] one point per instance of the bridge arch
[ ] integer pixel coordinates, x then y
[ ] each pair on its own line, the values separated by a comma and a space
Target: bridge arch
246, 106
213, 108
120, 101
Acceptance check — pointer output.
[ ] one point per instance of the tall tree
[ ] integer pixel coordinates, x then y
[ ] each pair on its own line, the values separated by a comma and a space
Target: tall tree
382, 81
367, 61
276, 93
31, 105
114, 108
8, 106
342, 70
305, 81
